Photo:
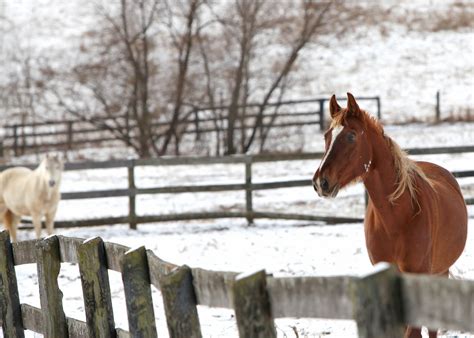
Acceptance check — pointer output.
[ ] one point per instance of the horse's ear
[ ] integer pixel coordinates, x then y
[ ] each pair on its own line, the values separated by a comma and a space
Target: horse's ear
352, 106
334, 107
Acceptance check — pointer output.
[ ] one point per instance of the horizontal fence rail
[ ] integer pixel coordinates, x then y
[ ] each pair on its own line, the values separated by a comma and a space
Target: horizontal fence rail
381, 303
247, 186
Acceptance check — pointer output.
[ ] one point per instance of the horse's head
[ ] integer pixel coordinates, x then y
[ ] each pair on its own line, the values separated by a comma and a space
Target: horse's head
53, 166
348, 154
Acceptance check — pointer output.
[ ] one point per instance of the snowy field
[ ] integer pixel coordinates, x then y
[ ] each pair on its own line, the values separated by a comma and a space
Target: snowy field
405, 68
284, 248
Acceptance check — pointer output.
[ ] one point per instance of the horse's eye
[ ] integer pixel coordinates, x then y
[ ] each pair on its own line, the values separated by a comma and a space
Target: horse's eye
351, 137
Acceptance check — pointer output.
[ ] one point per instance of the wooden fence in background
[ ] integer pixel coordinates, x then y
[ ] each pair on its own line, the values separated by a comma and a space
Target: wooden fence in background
247, 186
68, 134
381, 303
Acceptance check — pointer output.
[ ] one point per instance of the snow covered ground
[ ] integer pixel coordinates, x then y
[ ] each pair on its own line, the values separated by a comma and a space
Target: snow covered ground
284, 248
404, 67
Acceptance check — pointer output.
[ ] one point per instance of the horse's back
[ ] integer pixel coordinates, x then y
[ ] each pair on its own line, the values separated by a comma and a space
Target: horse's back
14, 177
450, 224
13, 186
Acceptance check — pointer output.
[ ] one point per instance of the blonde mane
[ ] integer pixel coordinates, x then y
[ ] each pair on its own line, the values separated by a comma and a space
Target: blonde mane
407, 170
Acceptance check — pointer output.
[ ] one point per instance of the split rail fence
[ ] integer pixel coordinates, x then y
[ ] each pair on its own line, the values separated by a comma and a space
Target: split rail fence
381, 303
247, 186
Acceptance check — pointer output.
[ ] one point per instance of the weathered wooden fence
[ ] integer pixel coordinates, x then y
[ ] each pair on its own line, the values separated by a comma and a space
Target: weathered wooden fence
381, 303
247, 186
74, 134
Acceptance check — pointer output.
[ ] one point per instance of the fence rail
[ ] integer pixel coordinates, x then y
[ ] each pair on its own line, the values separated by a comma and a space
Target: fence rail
381, 303
247, 186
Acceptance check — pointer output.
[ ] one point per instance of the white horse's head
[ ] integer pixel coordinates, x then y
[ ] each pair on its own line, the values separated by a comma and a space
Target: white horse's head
53, 168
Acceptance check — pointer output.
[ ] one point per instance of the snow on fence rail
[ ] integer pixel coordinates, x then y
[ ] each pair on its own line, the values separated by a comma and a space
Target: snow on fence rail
247, 185
381, 303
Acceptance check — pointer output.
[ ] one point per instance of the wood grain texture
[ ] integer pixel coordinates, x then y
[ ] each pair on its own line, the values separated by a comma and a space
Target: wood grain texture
136, 283
48, 266
96, 288
253, 309
10, 311
180, 304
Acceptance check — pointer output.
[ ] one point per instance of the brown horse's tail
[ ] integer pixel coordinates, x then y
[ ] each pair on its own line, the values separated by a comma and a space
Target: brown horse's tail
8, 220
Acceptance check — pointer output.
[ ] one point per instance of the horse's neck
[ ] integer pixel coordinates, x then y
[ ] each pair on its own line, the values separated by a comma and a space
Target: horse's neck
381, 182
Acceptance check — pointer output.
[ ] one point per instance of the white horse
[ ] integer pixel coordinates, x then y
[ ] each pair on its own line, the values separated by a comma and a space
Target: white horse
35, 193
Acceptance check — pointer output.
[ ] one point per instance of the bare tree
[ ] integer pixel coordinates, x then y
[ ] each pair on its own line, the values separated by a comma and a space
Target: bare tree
183, 44
128, 72
314, 17
146, 63
250, 34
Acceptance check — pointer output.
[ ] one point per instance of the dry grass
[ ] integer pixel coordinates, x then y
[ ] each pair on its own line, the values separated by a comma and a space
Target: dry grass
429, 18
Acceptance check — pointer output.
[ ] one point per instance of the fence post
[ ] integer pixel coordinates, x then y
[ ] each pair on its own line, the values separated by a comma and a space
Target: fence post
438, 106
49, 265
9, 299
136, 283
96, 288
377, 304
379, 109
196, 123
180, 303
321, 115
15, 139
132, 196
252, 306
248, 190
69, 135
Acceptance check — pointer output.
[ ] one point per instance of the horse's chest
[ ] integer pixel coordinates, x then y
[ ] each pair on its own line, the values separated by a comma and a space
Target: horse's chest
380, 246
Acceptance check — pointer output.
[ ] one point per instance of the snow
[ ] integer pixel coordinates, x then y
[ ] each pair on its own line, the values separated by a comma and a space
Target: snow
283, 248
404, 67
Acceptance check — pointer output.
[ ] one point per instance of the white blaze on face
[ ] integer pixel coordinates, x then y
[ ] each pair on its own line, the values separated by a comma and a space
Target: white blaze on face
334, 134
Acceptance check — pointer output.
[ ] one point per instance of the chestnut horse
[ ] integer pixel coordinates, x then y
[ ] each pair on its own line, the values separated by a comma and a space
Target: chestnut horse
416, 217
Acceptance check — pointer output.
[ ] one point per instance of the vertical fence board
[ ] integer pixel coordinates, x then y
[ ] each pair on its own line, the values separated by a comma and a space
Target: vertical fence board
136, 282
132, 197
49, 265
70, 135
180, 303
252, 306
96, 288
379, 108
9, 299
438, 107
322, 123
377, 304
248, 190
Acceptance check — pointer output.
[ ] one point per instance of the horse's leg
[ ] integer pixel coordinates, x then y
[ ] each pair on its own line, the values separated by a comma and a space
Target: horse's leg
37, 224
8, 223
49, 220
14, 225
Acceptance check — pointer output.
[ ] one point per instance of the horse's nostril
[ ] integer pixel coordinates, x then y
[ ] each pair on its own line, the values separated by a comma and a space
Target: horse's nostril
324, 184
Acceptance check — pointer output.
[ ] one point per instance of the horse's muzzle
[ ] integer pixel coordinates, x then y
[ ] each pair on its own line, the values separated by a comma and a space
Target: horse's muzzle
52, 183
324, 189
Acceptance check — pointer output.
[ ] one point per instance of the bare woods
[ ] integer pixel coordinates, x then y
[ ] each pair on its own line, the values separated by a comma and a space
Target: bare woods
142, 63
